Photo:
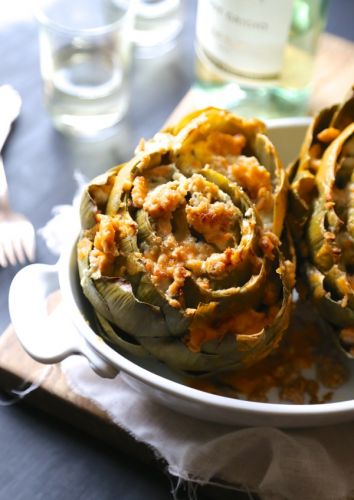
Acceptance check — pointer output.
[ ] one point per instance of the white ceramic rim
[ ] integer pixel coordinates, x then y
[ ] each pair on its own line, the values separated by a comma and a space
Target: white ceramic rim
45, 21
176, 389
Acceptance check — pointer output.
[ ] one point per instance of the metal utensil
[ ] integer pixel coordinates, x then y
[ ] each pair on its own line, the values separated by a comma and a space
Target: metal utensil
17, 236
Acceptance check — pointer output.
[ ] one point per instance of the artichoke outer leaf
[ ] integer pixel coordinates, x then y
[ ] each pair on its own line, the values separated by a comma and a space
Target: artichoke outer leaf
176, 354
94, 297
88, 211
87, 283
326, 174
344, 114
120, 182
268, 157
247, 295
199, 123
329, 308
112, 336
88, 206
128, 313
335, 276
320, 248
177, 320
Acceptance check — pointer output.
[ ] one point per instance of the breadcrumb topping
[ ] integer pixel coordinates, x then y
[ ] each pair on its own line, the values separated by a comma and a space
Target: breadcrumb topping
305, 368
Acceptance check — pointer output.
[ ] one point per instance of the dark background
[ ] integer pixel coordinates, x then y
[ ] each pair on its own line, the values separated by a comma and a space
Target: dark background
41, 458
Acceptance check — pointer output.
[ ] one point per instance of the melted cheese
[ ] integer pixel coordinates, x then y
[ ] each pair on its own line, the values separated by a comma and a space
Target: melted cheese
165, 198
248, 322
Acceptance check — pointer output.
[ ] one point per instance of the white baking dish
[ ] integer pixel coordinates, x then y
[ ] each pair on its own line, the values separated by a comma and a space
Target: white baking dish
28, 310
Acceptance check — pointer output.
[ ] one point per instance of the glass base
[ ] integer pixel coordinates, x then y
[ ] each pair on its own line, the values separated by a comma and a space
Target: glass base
87, 126
260, 102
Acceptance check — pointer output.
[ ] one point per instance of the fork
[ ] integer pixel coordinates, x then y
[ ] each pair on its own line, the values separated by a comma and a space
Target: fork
17, 235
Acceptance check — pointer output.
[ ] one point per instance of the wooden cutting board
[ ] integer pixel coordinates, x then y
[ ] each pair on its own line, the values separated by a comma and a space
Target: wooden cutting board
334, 75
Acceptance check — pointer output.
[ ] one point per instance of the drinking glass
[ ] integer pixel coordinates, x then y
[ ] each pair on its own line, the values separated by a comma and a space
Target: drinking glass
85, 56
158, 23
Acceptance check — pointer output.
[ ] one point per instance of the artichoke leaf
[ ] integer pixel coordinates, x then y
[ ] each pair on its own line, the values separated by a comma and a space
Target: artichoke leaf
220, 355
336, 281
92, 196
126, 311
268, 157
146, 233
177, 320
247, 295
113, 337
331, 309
121, 184
344, 114
87, 283
237, 194
198, 124
327, 171
320, 247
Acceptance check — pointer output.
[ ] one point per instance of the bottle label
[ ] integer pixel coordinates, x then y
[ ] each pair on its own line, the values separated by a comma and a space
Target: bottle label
245, 36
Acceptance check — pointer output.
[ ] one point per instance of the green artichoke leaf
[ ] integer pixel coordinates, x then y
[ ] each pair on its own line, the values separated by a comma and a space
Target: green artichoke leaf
87, 283
268, 157
327, 171
344, 114
113, 298
129, 313
198, 124
247, 295
180, 225
325, 223
336, 281
176, 354
115, 338
331, 309
124, 175
320, 246
303, 189
237, 194
232, 352
302, 174
145, 231
95, 197
177, 320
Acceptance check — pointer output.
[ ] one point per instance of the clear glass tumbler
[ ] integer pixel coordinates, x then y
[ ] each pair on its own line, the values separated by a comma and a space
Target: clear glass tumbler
85, 57
158, 23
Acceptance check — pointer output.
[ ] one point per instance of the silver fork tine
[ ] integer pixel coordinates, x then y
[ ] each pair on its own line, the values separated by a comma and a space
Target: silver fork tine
9, 251
28, 242
3, 261
18, 245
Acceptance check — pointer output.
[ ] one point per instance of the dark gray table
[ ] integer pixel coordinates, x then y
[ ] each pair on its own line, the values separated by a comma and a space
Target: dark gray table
40, 458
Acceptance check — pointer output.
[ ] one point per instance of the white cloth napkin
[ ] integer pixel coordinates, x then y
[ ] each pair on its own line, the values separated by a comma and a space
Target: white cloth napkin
296, 464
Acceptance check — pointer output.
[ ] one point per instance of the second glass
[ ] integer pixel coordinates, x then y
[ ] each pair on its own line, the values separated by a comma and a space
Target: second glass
85, 58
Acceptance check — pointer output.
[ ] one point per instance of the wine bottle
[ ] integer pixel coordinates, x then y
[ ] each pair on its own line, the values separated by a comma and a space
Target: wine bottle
256, 56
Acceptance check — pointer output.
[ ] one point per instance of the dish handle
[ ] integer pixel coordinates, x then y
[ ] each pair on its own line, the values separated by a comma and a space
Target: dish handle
46, 337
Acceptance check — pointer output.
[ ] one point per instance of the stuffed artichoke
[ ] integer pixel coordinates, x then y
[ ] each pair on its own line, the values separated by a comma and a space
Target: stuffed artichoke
321, 215
181, 251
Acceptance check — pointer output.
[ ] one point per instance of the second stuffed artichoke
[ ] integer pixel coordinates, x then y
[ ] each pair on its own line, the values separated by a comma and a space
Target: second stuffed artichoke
321, 214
